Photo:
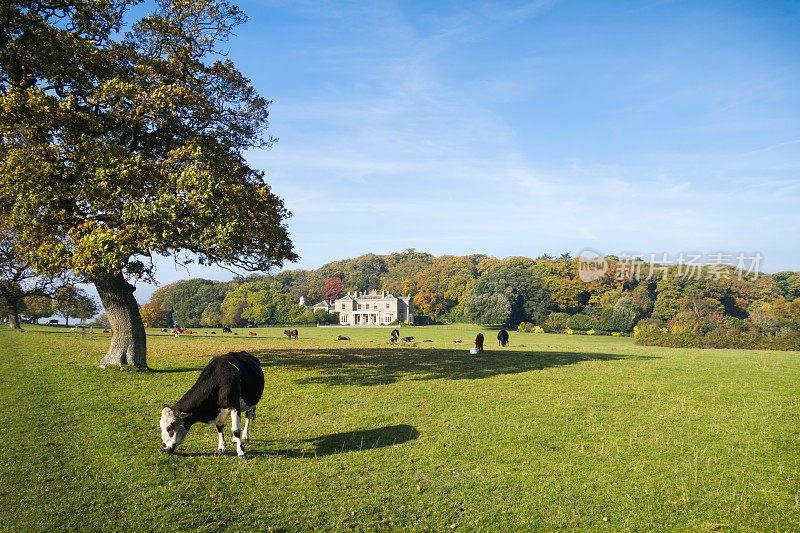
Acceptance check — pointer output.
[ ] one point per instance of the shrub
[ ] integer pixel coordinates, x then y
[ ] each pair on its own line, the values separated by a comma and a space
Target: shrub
526, 327
651, 323
580, 322
735, 323
618, 319
555, 322
717, 338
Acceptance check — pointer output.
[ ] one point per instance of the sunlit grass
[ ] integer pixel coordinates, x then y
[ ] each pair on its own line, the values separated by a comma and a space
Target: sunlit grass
555, 432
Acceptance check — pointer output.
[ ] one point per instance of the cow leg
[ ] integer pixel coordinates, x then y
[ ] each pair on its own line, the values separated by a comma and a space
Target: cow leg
237, 433
248, 417
221, 437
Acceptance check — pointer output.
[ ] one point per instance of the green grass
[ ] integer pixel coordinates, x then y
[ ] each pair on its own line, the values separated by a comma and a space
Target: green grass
565, 432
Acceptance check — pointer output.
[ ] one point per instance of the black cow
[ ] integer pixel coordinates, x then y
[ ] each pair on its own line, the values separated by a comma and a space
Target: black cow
394, 336
226, 329
407, 339
230, 383
502, 338
479, 342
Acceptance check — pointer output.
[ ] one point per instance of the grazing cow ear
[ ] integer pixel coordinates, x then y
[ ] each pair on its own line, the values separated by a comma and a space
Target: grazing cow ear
165, 405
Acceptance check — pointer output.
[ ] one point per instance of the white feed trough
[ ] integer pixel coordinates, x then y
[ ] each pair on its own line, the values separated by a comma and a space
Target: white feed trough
473, 351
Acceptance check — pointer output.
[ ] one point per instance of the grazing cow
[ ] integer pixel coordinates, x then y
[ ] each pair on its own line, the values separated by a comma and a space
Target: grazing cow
407, 339
226, 329
479, 342
229, 384
502, 338
458, 341
291, 333
252, 333
394, 336
213, 332
342, 338
164, 330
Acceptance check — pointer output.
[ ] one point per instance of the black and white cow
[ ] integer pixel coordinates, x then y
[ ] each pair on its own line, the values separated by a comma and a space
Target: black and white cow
394, 336
230, 383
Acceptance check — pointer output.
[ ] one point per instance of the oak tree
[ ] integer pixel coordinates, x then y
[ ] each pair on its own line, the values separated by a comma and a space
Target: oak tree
19, 281
120, 145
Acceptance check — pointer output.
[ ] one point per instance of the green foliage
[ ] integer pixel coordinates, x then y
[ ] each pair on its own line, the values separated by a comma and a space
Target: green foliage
507, 296
555, 322
719, 338
101, 320
36, 307
650, 323
212, 314
620, 318
667, 303
71, 301
581, 322
256, 303
489, 308
187, 301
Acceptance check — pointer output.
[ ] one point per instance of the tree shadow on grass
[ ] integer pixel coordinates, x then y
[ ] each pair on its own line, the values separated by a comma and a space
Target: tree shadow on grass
380, 366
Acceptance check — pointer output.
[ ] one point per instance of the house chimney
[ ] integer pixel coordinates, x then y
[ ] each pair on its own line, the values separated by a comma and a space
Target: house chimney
356, 294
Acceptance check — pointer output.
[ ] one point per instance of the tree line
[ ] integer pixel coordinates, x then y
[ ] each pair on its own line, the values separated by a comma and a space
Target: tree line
547, 292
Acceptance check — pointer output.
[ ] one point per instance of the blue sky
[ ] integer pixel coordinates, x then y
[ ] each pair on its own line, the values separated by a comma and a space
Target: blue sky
522, 128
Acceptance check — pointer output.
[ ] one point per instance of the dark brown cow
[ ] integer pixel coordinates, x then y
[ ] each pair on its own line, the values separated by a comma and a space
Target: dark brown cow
479, 342
291, 333
502, 338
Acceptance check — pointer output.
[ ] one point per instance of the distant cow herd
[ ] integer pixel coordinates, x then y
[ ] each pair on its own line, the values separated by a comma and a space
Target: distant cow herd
394, 336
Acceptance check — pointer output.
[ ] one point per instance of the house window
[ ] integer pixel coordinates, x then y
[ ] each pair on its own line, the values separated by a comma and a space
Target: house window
342, 306
367, 306
359, 306
387, 319
387, 306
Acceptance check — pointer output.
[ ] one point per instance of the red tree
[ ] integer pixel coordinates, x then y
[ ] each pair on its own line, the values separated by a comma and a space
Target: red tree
333, 288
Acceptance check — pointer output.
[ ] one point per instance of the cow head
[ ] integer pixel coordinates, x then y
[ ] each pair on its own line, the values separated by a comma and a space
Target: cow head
173, 430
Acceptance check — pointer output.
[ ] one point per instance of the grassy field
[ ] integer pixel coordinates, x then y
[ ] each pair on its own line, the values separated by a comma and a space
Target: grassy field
555, 432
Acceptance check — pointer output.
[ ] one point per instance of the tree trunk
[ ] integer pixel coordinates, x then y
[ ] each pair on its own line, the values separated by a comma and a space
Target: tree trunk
12, 304
13, 321
128, 341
